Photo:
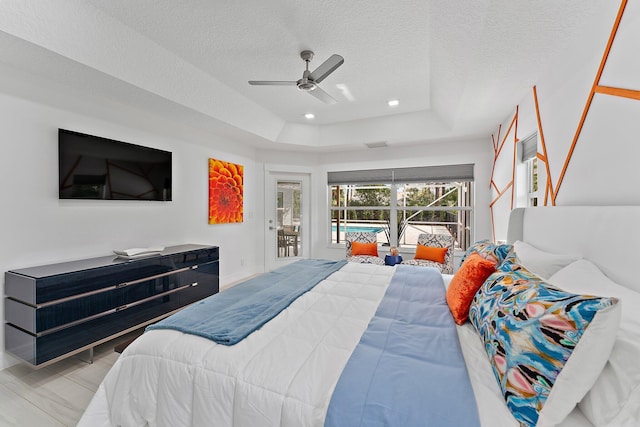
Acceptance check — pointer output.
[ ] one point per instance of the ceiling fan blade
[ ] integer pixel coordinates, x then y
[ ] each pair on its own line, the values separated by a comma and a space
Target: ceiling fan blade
271, 83
326, 68
322, 95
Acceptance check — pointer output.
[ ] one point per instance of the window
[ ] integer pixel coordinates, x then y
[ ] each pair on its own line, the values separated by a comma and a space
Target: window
529, 151
532, 182
400, 204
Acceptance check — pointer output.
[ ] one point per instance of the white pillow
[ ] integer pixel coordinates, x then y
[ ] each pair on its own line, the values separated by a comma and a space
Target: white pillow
542, 263
614, 399
582, 368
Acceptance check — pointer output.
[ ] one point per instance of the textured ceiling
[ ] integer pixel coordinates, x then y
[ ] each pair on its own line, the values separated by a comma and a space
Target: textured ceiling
457, 67
385, 49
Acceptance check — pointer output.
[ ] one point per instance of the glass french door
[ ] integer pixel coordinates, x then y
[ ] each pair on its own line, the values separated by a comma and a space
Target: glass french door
287, 211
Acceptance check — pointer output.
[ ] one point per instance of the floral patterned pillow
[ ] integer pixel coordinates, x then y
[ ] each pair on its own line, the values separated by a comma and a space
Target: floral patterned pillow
546, 346
489, 250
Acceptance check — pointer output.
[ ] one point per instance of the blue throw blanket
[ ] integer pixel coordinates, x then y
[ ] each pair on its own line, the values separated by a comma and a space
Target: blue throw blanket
230, 316
408, 369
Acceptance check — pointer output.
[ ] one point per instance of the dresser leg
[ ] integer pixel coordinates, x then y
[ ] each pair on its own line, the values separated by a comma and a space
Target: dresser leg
88, 360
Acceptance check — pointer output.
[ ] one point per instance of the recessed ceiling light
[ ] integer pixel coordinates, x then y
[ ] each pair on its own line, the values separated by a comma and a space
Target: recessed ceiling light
310, 116
393, 103
376, 144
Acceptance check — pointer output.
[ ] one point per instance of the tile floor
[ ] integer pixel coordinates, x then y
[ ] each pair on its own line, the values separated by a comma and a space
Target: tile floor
56, 395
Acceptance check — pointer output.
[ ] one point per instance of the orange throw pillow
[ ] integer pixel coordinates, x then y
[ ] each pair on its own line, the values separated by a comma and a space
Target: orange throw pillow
431, 254
358, 248
464, 285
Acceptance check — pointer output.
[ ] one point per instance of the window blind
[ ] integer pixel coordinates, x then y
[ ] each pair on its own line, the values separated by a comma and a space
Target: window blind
529, 147
373, 176
443, 173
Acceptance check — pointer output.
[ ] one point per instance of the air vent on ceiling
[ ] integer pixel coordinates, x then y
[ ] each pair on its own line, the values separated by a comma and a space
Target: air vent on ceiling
376, 144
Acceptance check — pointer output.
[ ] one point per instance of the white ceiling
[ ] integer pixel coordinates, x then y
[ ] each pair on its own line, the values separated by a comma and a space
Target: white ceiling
459, 68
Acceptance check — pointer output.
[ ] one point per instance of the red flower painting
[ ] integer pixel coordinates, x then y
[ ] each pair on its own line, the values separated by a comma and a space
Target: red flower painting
226, 192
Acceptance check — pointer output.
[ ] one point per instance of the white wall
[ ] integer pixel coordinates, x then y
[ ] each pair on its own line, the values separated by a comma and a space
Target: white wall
37, 228
603, 167
427, 154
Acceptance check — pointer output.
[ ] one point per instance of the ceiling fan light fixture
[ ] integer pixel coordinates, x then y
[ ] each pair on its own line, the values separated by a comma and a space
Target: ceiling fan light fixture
307, 86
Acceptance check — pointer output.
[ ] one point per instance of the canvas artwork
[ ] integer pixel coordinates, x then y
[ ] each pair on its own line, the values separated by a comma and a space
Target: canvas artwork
226, 192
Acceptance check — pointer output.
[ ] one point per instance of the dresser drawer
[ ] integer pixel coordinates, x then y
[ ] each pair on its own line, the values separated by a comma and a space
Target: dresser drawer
65, 312
57, 309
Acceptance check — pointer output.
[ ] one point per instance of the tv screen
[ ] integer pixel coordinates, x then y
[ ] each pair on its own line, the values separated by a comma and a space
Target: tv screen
91, 167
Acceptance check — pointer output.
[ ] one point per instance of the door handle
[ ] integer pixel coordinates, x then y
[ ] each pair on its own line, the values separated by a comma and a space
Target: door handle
271, 228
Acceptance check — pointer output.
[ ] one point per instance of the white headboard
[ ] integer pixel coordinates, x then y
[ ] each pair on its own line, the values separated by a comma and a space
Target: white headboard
608, 236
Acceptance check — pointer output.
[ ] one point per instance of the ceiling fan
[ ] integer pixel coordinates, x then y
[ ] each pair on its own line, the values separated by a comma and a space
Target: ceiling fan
310, 79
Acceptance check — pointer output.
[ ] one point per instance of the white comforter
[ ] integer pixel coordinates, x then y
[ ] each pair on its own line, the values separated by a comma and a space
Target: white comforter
281, 375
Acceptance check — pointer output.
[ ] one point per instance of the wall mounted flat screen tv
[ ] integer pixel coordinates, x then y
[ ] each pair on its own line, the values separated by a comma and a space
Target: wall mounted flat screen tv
91, 167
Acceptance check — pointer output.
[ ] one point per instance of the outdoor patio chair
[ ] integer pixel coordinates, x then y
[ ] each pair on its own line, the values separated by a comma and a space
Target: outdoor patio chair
436, 241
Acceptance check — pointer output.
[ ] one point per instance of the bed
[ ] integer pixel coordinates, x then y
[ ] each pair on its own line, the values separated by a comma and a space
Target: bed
287, 371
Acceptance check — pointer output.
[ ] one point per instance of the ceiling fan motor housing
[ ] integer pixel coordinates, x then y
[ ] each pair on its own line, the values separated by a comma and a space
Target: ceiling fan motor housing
306, 85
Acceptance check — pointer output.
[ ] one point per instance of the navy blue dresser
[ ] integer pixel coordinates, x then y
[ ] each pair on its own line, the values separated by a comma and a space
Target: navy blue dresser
54, 311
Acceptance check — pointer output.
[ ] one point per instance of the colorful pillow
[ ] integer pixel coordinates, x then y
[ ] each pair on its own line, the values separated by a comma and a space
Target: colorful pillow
358, 248
464, 285
546, 346
489, 250
511, 263
431, 253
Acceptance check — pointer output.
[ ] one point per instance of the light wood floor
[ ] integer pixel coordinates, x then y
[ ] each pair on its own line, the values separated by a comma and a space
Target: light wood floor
56, 395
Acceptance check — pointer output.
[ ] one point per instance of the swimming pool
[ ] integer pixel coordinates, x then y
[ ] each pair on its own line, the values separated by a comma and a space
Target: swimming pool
352, 228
